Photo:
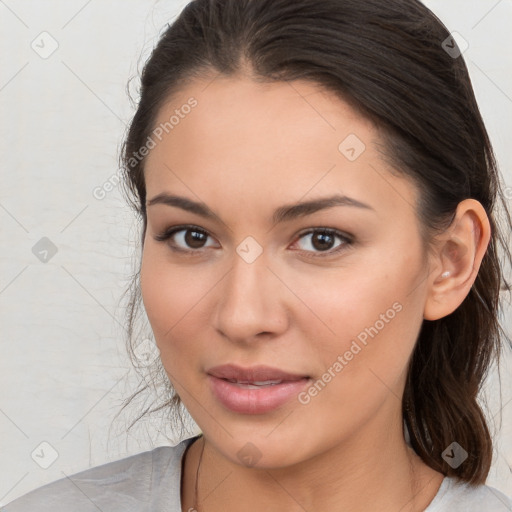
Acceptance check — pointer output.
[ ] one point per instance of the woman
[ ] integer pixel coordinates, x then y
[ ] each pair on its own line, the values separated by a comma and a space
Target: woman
320, 269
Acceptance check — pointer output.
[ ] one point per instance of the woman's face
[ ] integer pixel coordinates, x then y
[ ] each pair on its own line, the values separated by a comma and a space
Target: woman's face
329, 296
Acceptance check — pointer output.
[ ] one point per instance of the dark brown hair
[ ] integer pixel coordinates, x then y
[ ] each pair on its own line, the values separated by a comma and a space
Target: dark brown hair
389, 60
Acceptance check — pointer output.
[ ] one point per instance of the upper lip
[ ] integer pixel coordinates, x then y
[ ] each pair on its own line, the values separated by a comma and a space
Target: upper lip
252, 374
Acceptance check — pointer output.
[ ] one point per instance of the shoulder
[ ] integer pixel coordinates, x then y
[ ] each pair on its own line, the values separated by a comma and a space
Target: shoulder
126, 485
457, 496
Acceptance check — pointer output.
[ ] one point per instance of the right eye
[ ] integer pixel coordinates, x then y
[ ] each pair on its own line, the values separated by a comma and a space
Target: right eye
184, 238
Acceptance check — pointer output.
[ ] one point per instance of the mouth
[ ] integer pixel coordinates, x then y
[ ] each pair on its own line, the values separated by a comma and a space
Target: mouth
254, 385
254, 390
258, 375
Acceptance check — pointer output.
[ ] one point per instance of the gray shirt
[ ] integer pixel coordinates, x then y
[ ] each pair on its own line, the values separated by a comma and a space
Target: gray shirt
150, 482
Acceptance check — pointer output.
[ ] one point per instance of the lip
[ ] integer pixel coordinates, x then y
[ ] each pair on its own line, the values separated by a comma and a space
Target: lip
233, 386
252, 374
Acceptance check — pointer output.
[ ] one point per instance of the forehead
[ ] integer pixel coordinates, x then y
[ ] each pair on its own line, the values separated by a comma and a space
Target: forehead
238, 115
264, 140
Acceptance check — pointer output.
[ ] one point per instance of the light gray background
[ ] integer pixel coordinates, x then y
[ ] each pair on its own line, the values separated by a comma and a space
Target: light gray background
63, 368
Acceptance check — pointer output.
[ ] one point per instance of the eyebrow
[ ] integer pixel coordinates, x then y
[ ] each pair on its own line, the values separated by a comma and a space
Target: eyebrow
281, 214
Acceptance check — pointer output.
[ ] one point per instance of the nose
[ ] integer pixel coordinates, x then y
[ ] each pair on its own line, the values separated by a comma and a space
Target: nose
251, 303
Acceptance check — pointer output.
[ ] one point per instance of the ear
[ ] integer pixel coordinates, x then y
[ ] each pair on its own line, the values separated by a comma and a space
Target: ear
457, 258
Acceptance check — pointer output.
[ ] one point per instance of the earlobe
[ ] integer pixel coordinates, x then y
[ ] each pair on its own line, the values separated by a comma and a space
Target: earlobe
459, 254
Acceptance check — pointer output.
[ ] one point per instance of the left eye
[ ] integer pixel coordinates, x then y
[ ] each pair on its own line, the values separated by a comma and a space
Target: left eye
323, 240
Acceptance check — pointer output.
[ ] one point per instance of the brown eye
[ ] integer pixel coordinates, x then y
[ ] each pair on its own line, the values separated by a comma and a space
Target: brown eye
323, 241
186, 238
195, 239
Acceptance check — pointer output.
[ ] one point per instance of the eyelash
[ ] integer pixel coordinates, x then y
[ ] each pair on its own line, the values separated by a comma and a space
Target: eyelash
345, 238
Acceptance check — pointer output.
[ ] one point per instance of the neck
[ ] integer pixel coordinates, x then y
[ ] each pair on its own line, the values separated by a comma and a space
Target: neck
374, 466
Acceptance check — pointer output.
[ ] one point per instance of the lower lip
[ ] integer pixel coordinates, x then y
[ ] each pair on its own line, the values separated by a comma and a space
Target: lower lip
255, 401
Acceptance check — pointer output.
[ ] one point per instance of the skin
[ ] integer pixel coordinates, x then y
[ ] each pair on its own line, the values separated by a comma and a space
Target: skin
245, 150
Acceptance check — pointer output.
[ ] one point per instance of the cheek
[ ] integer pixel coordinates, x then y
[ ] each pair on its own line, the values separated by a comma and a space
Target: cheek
171, 294
371, 319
